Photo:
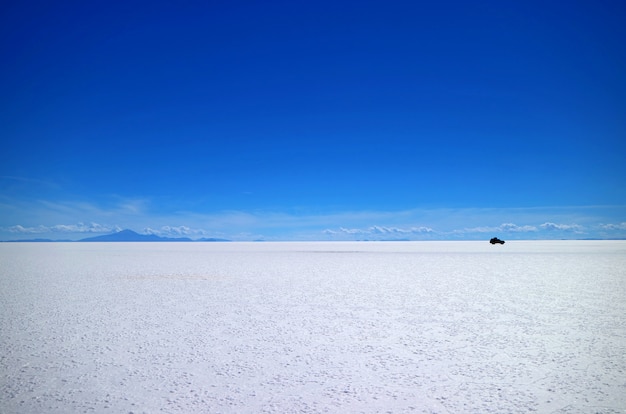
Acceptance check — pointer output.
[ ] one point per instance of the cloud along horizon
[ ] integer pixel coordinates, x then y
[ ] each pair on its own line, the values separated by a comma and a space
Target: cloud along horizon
425, 224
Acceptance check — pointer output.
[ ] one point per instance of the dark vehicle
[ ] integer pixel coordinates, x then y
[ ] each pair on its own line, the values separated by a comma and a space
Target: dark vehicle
496, 240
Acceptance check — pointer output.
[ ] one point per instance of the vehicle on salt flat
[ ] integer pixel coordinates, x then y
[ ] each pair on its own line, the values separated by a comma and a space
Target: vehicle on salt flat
495, 240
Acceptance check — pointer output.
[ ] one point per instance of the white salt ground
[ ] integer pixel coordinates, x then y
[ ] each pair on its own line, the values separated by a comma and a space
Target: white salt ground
424, 327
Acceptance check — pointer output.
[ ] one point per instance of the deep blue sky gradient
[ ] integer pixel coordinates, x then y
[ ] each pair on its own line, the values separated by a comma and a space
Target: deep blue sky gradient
214, 118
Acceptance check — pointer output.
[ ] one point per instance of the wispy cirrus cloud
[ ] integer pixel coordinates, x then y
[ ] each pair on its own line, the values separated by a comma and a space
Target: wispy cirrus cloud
117, 207
28, 180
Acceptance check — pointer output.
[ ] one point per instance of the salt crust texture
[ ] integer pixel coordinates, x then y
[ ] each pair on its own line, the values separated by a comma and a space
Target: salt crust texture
424, 327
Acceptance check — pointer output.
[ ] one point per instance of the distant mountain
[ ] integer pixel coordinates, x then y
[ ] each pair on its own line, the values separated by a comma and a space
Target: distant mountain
212, 239
131, 236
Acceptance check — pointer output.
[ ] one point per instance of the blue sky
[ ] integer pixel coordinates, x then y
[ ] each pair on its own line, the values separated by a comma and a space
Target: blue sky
326, 120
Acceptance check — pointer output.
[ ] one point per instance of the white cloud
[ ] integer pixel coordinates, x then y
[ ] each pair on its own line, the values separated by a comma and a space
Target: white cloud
396, 230
85, 228
28, 230
503, 228
380, 231
515, 228
618, 226
65, 228
353, 231
175, 231
561, 227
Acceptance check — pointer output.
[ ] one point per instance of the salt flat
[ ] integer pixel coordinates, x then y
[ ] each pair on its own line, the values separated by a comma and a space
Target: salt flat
424, 327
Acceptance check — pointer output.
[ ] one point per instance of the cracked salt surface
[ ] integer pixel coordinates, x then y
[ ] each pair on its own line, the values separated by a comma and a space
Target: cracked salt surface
424, 327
